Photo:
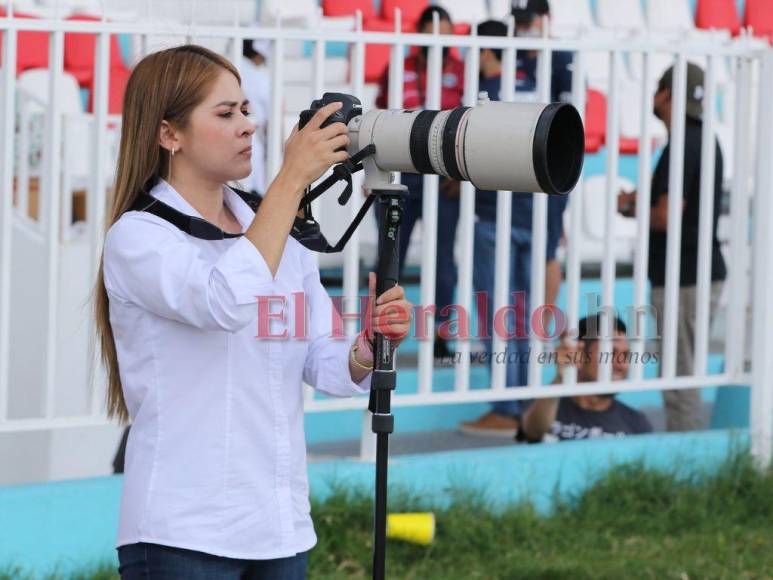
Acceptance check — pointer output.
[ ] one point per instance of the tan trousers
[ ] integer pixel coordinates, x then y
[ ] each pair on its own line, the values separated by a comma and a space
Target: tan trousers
683, 407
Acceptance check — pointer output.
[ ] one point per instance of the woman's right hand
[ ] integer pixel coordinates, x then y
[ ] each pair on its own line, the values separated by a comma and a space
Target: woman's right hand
311, 151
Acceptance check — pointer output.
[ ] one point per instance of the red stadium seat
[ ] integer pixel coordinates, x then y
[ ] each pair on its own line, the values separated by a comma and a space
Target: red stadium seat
376, 60
718, 15
376, 55
593, 143
79, 55
462, 28
31, 48
32, 52
596, 126
79, 52
595, 118
629, 145
759, 17
116, 89
410, 10
348, 8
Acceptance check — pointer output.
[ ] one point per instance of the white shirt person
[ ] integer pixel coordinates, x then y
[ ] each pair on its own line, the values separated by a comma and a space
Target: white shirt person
217, 432
215, 467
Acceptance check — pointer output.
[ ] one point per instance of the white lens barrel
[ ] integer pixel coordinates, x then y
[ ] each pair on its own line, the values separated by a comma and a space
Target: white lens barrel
390, 132
496, 145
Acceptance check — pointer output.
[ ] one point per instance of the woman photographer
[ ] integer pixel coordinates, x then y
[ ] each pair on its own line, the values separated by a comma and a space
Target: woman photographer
215, 479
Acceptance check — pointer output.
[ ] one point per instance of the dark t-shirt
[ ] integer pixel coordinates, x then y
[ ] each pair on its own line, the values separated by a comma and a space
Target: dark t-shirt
690, 215
573, 422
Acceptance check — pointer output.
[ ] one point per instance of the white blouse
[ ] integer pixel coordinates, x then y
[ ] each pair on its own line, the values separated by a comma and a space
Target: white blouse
216, 457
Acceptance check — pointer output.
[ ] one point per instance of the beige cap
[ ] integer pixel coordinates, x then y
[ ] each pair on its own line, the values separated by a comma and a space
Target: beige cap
695, 89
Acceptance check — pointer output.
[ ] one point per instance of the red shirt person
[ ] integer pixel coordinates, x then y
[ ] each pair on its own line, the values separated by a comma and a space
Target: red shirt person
414, 97
415, 82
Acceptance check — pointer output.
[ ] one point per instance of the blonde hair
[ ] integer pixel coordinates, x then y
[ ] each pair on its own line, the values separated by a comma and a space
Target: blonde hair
164, 86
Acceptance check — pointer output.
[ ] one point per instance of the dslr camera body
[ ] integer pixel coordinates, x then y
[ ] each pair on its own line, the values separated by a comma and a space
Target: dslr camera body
351, 108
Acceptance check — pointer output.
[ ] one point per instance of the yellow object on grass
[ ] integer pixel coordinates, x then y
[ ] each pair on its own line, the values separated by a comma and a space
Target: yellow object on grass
417, 528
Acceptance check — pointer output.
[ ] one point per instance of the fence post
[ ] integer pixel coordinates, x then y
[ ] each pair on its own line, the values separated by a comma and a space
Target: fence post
8, 130
367, 439
761, 412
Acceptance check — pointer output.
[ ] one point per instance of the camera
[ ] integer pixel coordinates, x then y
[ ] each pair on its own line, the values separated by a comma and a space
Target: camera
351, 108
495, 145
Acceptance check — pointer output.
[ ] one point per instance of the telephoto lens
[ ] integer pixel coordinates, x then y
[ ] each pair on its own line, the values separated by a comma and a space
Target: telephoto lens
495, 145
526, 147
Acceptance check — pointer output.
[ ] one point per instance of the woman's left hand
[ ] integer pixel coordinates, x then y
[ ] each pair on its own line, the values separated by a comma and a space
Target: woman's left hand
390, 313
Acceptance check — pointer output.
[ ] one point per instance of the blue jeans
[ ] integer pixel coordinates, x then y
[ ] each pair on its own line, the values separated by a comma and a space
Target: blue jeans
155, 562
517, 349
448, 217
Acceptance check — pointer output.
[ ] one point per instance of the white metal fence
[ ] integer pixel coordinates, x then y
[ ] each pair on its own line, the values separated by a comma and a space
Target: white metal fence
48, 375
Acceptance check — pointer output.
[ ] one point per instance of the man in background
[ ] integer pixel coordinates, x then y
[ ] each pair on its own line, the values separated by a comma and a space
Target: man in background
586, 416
683, 407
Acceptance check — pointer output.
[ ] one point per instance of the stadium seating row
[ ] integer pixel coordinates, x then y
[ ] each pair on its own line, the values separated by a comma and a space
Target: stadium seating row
617, 14
571, 17
79, 49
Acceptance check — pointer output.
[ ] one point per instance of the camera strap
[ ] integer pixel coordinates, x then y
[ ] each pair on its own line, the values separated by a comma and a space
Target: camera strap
341, 172
191, 225
305, 230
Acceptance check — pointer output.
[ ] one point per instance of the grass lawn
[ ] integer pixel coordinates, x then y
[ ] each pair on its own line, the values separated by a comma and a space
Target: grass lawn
633, 523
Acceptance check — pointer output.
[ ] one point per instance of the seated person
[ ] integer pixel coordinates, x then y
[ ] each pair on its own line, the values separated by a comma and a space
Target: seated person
585, 416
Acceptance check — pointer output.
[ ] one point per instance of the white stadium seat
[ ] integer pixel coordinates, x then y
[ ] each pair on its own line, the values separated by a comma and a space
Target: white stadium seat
674, 18
621, 16
659, 62
631, 110
470, 11
76, 168
298, 70
669, 15
570, 18
593, 223
289, 12
597, 70
500, 9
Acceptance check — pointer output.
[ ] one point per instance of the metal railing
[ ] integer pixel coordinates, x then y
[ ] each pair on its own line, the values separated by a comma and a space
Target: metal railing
751, 69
